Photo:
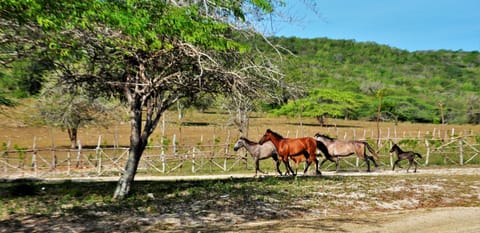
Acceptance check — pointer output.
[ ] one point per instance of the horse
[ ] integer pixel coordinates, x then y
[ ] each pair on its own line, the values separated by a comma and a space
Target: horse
289, 147
341, 148
259, 152
401, 155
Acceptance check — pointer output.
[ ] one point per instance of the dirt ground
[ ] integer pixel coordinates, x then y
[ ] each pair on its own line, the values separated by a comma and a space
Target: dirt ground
438, 220
395, 220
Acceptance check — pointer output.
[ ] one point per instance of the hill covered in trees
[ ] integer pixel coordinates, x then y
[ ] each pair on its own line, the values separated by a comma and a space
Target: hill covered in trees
347, 79
342, 79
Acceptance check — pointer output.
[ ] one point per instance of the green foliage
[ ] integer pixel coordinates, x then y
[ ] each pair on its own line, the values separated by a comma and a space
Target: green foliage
409, 143
416, 81
324, 101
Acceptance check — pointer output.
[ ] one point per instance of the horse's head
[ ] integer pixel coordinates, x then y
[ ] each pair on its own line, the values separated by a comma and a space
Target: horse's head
239, 144
266, 137
321, 137
394, 147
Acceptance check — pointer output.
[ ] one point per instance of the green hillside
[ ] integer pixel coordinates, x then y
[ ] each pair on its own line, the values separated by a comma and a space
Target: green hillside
413, 83
342, 79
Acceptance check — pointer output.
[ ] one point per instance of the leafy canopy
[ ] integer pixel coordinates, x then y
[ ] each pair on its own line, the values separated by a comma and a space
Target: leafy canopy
324, 101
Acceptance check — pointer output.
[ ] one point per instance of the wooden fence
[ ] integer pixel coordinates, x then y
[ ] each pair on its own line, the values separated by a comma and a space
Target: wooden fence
216, 158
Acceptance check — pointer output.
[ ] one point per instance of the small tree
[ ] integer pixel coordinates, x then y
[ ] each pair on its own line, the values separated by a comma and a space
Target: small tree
70, 111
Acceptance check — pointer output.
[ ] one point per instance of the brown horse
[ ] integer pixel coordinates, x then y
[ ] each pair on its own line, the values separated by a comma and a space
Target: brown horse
289, 147
401, 155
341, 148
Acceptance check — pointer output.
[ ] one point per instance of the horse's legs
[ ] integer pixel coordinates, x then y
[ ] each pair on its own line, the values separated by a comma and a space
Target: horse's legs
287, 165
323, 161
373, 160
306, 167
317, 169
400, 159
368, 162
277, 162
257, 166
309, 161
337, 163
410, 161
396, 164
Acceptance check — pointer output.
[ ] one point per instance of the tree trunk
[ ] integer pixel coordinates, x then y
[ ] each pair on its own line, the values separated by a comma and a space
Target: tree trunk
137, 146
72, 134
126, 180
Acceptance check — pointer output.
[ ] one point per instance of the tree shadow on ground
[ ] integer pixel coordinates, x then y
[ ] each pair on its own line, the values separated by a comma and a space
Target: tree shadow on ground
157, 205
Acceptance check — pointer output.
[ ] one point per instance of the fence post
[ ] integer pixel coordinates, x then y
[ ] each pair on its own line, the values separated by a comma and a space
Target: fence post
357, 161
98, 155
79, 154
460, 145
34, 155
162, 141
193, 160
68, 162
227, 146
391, 154
379, 139
54, 153
427, 144
174, 144
162, 157
5, 155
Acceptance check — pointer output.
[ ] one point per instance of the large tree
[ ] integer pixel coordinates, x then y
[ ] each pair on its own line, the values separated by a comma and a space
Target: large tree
148, 53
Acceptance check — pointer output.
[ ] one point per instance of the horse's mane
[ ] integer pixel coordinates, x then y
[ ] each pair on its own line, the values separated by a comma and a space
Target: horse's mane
396, 146
275, 134
248, 141
323, 136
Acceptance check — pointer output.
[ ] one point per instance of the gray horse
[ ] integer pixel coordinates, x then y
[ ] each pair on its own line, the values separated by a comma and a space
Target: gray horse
341, 148
259, 152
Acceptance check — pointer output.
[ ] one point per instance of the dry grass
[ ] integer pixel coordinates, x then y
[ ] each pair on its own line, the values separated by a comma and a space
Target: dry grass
206, 128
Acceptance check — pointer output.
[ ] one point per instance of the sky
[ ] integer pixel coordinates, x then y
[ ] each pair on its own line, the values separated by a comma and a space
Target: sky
405, 24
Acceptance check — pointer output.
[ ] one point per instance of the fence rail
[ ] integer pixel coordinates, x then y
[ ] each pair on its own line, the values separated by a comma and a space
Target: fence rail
205, 159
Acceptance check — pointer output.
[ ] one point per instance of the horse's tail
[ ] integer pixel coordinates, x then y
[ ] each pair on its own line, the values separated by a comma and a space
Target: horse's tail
371, 150
417, 154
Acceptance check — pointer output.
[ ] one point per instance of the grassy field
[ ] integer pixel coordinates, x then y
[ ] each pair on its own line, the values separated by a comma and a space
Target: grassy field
207, 128
214, 133
227, 205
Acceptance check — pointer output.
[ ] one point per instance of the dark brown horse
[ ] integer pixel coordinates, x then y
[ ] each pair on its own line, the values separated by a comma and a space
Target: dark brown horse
288, 147
342, 148
401, 155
